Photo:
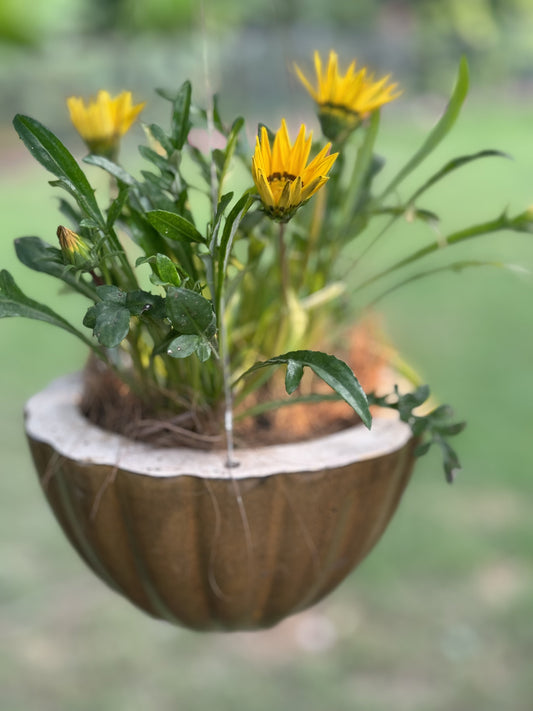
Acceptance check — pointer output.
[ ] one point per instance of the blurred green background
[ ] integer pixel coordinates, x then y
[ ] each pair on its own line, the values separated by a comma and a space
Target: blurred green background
440, 616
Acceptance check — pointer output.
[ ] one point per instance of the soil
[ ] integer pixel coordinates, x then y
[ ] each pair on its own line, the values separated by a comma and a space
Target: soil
110, 403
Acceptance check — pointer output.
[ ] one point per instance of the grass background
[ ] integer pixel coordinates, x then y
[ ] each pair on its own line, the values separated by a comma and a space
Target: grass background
439, 617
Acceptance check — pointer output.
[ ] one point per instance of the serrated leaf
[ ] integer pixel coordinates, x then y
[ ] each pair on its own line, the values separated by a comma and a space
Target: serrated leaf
189, 312
332, 371
13, 302
53, 155
174, 226
40, 256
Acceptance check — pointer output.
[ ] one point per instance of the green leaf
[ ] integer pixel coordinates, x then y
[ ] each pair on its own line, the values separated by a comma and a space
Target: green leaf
454, 165
53, 155
363, 169
40, 256
174, 226
166, 270
423, 448
189, 312
180, 115
112, 168
115, 209
432, 428
223, 202
159, 161
233, 221
484, 228
440, 130
293, 376
227, 154
451, 461
184, 346
331, 370
159, 135
110, 322
217, 119
203, 350
143, 303
111, 293
13, 302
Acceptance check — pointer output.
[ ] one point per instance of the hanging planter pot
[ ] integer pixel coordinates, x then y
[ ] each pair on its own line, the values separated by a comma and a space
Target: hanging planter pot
193, 542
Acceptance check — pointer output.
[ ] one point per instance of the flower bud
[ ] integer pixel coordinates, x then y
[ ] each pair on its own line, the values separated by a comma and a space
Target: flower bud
344, 101
74, 248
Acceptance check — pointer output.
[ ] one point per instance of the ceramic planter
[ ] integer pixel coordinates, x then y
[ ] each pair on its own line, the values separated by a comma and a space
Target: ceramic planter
197, 544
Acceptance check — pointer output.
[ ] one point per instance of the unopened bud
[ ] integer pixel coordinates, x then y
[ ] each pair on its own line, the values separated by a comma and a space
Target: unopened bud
74, 248
338, 122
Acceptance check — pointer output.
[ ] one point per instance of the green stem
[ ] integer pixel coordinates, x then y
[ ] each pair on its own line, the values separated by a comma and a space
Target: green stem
475, 231
228, 394
360, 169
283, 266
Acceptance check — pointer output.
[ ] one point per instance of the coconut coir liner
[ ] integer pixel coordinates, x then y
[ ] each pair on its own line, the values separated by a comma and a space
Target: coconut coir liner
110, 404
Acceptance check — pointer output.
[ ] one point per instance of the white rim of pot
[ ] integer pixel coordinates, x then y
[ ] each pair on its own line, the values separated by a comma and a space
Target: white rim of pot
53, 416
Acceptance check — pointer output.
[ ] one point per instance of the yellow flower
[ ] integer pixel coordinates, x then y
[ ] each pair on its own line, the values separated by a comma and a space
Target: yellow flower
281, 175
344, 101
104, 120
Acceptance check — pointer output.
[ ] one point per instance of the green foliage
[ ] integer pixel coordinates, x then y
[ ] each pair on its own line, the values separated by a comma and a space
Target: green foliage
53, 155
230, 290
429, 428
189, 312
13, 302
330, 369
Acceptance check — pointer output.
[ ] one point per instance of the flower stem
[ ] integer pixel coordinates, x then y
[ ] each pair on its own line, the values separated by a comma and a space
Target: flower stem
283, 266
474, 231
228, 395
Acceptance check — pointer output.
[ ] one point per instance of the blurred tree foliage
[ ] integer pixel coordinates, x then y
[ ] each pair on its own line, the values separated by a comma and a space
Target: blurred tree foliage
419, 39
27, 22
476, 23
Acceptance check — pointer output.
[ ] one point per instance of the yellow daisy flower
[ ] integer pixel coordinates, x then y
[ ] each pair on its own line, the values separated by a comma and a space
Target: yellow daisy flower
104, 120
281, 175
344, 101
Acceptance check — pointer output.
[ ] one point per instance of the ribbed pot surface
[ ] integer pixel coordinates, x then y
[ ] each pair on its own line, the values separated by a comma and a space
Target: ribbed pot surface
189, 540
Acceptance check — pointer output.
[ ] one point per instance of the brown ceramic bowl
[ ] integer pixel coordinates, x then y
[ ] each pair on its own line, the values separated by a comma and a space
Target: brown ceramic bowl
195, 543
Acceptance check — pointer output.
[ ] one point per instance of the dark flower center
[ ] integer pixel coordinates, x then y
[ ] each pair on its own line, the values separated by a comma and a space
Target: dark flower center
281, 176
